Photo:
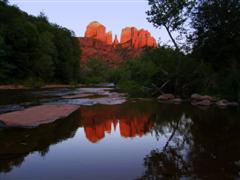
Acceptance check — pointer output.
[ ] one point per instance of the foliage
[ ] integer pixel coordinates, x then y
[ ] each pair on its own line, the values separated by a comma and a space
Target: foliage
33, 48
171, 14
213, 65
216, 41
94, 71
158, 71
33, 83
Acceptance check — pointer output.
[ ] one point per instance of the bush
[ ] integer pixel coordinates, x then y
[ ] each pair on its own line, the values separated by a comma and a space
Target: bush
161, 68
33, 83
94, 71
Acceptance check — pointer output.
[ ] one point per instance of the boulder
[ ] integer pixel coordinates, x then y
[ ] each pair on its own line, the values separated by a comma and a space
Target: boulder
225, 103
233, 104
166, 97
198, 97
222, 103
177, 100
205, 102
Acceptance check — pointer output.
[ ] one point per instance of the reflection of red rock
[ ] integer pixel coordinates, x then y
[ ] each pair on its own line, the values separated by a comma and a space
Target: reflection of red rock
95, 133
98, 43
99, 120
137, 126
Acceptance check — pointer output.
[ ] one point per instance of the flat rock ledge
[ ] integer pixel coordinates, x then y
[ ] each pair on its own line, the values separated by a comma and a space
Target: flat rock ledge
36, 116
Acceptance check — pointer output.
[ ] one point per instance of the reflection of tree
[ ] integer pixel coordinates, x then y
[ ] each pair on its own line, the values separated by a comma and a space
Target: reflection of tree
169, 162
203, 147
16, 144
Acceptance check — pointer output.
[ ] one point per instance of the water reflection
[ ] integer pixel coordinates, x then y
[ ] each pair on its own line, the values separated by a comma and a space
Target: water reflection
185, 141
99, 120
16, 143
201, 145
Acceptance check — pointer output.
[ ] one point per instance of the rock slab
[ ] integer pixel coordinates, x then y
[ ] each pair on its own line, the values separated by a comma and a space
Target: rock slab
37, 115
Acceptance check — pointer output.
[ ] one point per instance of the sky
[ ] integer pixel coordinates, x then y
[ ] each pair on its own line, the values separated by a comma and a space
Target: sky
77, 14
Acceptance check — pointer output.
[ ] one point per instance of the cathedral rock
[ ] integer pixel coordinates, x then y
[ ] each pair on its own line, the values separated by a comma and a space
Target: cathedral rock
97, 42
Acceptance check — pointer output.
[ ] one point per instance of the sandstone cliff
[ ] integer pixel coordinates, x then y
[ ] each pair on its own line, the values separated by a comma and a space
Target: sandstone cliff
99, 43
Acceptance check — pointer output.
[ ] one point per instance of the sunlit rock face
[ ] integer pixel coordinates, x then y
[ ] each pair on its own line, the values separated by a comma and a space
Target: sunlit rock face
131, 37
98, 31
99, 43
115, 42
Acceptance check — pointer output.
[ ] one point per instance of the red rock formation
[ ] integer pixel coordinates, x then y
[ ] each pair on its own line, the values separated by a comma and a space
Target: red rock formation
96, 30
133, 38
94, 48
98, 43
115, 42
129, 34
109, 38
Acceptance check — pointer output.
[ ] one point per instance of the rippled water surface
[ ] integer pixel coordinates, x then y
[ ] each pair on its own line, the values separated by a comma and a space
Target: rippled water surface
134, 140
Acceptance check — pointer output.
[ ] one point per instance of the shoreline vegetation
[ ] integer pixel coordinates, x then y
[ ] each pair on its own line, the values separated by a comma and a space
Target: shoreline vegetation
35, 53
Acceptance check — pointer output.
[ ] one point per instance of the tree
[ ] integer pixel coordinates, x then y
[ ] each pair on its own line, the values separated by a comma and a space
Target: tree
4, 1
217, 32
217, 42
32, 49
171, 14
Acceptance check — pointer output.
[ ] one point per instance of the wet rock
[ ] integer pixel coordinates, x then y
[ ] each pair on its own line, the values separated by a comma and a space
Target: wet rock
177, 100
9, 108
37, 115
225, 103
233, 104
205, 102
166, 97
92, 96
108, 100
222, 103
77, 96
198, 97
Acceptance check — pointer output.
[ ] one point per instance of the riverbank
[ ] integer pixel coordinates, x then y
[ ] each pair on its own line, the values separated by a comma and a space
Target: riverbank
47, 106
20, 87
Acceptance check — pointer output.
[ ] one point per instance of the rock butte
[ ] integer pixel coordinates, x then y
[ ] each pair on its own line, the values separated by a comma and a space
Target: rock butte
99, 43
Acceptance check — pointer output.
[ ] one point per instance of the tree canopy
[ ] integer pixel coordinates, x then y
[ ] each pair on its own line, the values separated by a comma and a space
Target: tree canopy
33, 48
171, 14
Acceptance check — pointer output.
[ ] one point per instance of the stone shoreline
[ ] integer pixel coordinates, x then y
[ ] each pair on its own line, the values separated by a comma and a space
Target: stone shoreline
21, 87
199, 100
36, 115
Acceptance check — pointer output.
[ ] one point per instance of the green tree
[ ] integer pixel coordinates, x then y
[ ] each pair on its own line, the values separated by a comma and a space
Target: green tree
217, 42
171, 14
32, 49
217, 32
94, 71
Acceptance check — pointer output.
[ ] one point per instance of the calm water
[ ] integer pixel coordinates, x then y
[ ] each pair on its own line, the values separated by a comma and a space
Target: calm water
135, 140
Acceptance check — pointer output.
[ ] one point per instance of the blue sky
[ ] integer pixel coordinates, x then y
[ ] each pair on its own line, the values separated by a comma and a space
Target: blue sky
76, 14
